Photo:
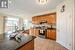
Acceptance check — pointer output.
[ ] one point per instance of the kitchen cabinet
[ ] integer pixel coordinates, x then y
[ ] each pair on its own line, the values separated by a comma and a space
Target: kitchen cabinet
31, 31
51, 34
28, 46
42, 18
50, 18
35, 20
34, 32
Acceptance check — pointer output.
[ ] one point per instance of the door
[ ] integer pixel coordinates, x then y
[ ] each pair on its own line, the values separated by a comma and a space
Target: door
11, 25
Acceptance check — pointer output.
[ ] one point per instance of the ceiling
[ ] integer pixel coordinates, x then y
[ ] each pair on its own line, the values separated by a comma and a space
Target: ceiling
29, 7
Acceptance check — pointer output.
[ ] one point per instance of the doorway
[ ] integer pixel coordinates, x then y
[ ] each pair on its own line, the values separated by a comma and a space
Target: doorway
11, 25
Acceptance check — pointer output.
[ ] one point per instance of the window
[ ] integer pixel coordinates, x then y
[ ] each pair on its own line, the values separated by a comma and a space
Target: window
11, 25
27, 24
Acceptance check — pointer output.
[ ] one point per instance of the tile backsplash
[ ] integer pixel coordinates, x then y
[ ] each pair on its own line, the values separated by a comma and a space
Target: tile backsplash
53, 26
46, 25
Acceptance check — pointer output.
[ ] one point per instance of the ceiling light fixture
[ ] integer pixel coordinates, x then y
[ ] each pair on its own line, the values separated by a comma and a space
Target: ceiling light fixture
42, 2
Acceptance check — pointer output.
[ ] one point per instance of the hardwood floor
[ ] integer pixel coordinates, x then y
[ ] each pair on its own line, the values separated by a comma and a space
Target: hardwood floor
47, 44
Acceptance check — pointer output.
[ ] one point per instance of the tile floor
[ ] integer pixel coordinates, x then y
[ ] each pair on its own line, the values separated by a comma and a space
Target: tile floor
47, 44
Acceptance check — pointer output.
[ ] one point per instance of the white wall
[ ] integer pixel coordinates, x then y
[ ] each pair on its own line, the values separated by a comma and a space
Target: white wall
74, 28
65, 25
73, 25
45, 12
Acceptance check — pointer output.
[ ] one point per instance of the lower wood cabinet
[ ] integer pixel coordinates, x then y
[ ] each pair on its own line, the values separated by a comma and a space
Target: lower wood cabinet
28, 46
31, 31
51, 34
34, 32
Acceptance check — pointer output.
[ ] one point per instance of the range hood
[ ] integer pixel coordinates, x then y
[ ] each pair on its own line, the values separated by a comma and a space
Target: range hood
43, 21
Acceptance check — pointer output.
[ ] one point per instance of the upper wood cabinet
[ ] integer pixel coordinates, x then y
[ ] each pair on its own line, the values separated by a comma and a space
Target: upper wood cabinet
50, 18
35, 20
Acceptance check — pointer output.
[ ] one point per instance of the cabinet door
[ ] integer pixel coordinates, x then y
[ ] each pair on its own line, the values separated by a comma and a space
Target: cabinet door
36, 20
33, 20
28, 46
36, 32
48, 34
31, 31
53, 34
51, 19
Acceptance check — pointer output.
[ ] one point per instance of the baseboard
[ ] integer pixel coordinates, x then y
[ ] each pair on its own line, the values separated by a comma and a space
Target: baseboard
66, 46
61, 43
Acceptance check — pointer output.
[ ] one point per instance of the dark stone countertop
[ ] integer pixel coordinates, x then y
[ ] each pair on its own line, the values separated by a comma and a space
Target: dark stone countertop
51, 28
13, 44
